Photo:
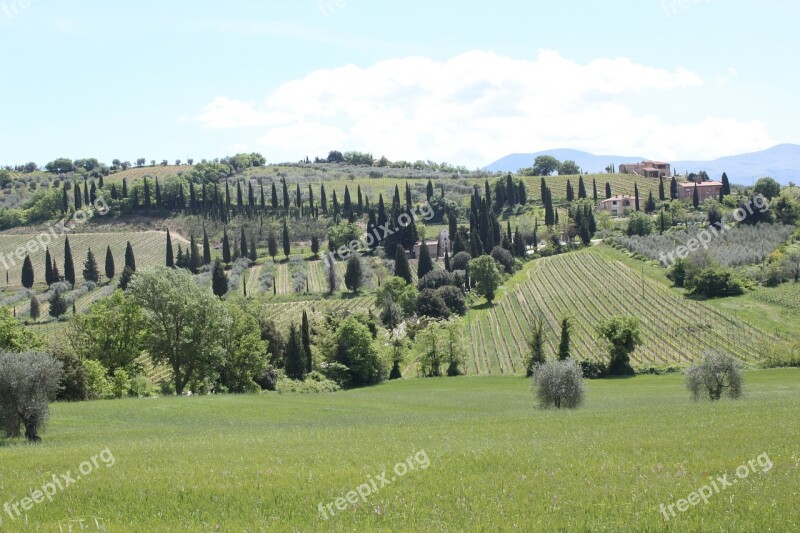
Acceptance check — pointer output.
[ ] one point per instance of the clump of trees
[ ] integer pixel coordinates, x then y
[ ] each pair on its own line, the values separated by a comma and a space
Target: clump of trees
559, 384
623, 335
717, 375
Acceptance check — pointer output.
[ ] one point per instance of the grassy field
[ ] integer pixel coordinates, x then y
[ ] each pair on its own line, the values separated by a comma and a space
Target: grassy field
496, 462
589, 287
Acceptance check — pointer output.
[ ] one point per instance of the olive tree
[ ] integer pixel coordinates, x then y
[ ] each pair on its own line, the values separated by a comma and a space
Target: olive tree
623, 335
186, 323
716, 375
29, 381
559, 384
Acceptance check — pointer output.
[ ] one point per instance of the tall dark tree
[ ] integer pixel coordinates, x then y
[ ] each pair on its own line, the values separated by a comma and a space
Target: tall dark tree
275, 203
425, 264
158, 194
429, 190
170, 259
195, 258
90, 270
581, 188
295, 358
272, 243
69, 264
696, 197
219, 281
64, 200
286, 204
243, 243
650, 204
48, 268
252, 251
146, 188
58, 305
353, 273
608, 190
77, 199
109, 263
661, 193
594, 190
564, 344
56, 274
305, 337
206, 248
673, 188
287, 246
447, 266
726, 185
636, 196
127, 274
27, 272
226, 247
36, 310
124, 188
130, 260
401, 266
323, 199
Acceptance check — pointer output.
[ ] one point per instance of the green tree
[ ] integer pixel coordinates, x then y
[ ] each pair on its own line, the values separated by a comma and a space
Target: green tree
640, 224
294, 362
425, 264
564, 343
28, 382
401, 266
69, 265
185, 321
90, 270
58, 305
305, 337
27, 273
355, 349
35, 311
353, 273
130, 260
219, 281
109, 263
695, 197
767, 187
484, 273
48, 268
569, 168
536, 341
206, 248
170, 262
287, 247
545, 165
226, 247
245, 351
272, 243
112, 332
623, 335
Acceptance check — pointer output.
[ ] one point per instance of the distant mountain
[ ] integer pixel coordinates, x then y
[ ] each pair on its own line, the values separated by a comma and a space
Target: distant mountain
782, 162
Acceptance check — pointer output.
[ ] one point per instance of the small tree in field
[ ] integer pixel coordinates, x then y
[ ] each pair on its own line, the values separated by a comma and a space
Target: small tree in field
58, 305
35, 309
536, 342
559, 384
27, 273
484, 273
623, 335
353, 274
28, 382
563, 346
717, 375
219, 281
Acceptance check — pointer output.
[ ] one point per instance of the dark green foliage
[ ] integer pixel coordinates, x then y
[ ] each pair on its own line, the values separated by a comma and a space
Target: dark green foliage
425, 264
353, 274
447, 265
715, 282
294, 362
226, 247
73, 385
460, 261
35, 311
305, 337
564, 343
435, 279
431, 303
503, 258
401, 266
623, 336
58, 305
69, 265
170, 260
219, 281
272, 243
28, 382
536, 342
206, 248
287, 247
48, 268
454, 299
127, 274
27, 273
130, 260
90, 270
650, 204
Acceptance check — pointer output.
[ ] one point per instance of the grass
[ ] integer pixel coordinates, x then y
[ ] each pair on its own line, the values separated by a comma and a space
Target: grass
256, 463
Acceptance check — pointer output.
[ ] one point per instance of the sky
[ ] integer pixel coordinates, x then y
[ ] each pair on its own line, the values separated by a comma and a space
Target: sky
465, 82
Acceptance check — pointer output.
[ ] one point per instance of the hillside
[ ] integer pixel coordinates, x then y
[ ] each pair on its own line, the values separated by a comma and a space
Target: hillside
589, 288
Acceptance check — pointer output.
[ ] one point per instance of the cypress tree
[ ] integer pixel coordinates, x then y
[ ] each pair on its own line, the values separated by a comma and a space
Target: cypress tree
90, 270
170, 262
124, 187
673, 188
125, 277
726, 185
518, 244
194, 256
77, 196
85, 196
650, 204
353, 273
56, 273
323, 199
401, 266
146, 193
93, 194
295, 361
661, 194
315, 245
608, 190
570, 192
696, 197
594, 189
58, 306
48, 268
181, 260
27, 273
310, 199
275, 203
429, 190
252, 250
305, 334
158, 194
243, 243
219, 281
35, 309
581, 188
522, 195
447, 266
69, 265
424, 265
64, 200
563, 345
286, 244
226, 247
636, 195
286, 204
206, 248
114, 193
298, 197
130, 260
272, 243
109, 263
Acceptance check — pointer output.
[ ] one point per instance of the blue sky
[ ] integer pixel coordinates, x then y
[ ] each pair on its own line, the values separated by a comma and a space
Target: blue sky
464, 82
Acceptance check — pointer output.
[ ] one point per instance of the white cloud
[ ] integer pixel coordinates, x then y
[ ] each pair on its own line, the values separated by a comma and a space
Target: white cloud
480, 106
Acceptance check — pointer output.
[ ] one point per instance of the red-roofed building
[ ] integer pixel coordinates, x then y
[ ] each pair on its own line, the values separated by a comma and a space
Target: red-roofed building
648, 169
705, 190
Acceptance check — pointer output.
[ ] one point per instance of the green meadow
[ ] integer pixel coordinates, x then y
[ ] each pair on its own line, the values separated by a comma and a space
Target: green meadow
495, 461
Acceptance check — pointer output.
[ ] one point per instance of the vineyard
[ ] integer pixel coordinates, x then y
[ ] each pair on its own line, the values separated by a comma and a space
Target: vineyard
137, 173
286, 312
786, 295
620, 184
590, 289
149, 248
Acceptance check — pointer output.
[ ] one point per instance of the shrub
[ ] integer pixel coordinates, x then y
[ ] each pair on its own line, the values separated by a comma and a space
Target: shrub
460, 261
336, 372
314, 383
640, 224
714, 283
140, 387
98, 385
28, 382
559, 384
268, 379
453, 298
74, 386
435, 279
593, 369
503, 258
430, 303
120, 383
718, 374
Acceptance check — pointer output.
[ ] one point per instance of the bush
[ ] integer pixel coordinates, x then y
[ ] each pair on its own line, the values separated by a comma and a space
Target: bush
120, 383
640, 224
460, 261
73, 386
336, 372
718, 374
593, 369
431, 303
453, 298
559, 384
268, 380
98, 385
714, 283
28, 382
435, 279
314, 383
140, 387
503, 258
